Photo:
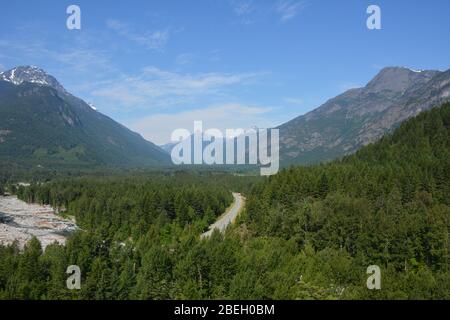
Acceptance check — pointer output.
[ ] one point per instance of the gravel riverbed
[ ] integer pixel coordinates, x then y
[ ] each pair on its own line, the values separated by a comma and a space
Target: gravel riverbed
21, 221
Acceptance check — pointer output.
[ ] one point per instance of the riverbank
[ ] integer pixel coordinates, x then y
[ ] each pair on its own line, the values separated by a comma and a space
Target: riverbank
20, 221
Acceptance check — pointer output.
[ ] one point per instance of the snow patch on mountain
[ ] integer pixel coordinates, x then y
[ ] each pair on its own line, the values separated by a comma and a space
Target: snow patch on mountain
31, 74
92, 106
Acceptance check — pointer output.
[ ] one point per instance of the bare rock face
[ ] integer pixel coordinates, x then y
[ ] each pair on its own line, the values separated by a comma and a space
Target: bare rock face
399, 79
20, 221
361, 116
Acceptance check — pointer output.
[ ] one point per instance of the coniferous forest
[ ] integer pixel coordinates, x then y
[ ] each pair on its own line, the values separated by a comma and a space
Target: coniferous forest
306, 233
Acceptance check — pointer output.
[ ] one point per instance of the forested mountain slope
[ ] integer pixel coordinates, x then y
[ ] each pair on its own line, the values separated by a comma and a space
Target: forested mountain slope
41, 124
387, 205
361, 116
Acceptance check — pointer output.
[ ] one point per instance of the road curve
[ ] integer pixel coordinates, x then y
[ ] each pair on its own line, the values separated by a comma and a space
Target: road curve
227, 217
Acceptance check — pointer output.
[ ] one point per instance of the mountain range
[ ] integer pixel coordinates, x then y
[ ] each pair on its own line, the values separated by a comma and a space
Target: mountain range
44, 125
361, 116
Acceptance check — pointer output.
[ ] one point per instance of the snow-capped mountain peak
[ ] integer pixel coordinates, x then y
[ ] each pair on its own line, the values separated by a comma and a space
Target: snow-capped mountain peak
31, 74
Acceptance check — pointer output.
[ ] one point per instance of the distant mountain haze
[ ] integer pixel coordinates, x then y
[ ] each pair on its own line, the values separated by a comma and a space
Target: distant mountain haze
42, 124
360, 116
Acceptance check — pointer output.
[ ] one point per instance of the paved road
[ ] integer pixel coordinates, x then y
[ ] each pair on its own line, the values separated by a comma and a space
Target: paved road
228, 217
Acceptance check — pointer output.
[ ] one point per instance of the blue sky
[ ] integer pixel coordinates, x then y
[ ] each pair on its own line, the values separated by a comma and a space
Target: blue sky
156, 66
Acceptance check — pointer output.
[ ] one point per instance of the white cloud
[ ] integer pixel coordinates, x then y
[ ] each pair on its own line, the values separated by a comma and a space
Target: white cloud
154, 40
159, 127
297, 101
83, 60
159, 88
249, 11
242, 7
79, 59
184, 59
288, 9
245, 10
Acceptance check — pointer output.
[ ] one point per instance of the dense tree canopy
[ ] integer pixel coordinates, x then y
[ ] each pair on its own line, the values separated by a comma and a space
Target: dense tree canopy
307, 233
